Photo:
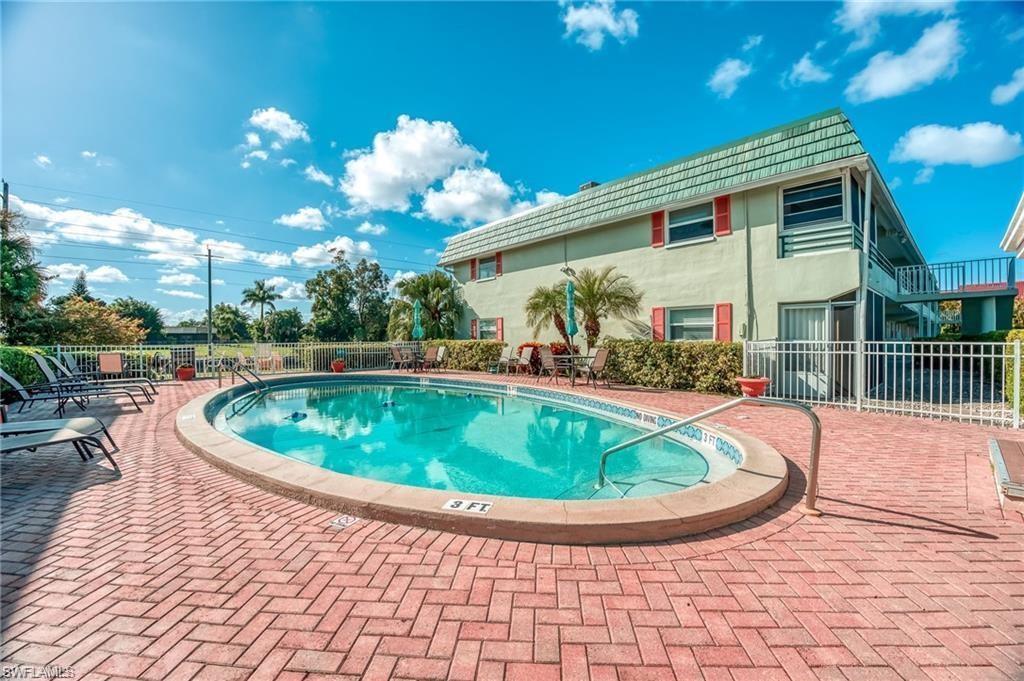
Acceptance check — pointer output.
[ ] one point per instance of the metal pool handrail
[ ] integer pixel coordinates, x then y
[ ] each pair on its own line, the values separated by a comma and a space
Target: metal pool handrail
810, 501
259, 386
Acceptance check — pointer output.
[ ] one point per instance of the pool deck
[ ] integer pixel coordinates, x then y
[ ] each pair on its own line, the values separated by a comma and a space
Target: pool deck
173, 569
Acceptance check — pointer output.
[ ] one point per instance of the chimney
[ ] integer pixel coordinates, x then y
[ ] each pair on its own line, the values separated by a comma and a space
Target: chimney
590, 184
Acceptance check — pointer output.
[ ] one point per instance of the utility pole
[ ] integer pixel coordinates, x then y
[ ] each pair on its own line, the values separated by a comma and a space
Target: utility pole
6, 195
209, 302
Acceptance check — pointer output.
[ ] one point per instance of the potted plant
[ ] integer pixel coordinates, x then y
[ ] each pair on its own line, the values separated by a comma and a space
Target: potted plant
753, 386
185, 372
338, 363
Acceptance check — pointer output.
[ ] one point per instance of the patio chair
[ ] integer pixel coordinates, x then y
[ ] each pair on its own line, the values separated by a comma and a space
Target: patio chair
596, 368
398, 358
442, 352
62, 393
76, 384
65, 373
502, 362
86, 425
429, 358
46, 438
524, 362
548, 364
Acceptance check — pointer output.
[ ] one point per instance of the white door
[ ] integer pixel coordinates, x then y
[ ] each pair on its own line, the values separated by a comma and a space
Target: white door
804, 365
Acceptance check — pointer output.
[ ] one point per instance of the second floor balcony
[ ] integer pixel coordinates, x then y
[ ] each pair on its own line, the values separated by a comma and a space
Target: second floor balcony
957, 280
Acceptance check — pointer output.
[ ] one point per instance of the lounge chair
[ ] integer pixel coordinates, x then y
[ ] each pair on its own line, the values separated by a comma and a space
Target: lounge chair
548, 364
46, 438
429, 358
75, 383
596, 368
502, 362
62, 393
522, 363
66, 373
86, 425
442, 352
398, 358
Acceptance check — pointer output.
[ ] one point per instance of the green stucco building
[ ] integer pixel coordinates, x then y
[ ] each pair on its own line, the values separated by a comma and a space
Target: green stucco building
761, 238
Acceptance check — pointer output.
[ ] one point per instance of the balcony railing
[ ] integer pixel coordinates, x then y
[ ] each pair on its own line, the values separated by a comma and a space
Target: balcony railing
961, 277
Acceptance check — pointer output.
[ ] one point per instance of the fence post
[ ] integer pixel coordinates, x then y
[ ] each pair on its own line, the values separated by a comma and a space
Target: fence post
746, 368
1016, 384
860, 361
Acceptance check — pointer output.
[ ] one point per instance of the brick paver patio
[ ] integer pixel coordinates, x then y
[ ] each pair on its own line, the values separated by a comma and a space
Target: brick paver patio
172, 569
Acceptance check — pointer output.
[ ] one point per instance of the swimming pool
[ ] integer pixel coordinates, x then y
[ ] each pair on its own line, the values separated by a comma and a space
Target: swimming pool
481, 457
464, 440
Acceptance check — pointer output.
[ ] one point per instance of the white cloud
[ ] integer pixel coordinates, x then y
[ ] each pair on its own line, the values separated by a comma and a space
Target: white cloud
429, 251
42, 160
252, 139
896, 183
279, 123
314, 174
173, 318
285, 162
192, 295
258, 153
592, 21
975, 144
62, 200
218, 282
402, 162
289, 290
400, 275
752, 42
89, 155
924, 175
179, 279
104, 274
862, 18
277, 145
370, 228
469, 195
1006, 93
544, 197
933, 56
306, 217
806, 71
727, 77
321, 253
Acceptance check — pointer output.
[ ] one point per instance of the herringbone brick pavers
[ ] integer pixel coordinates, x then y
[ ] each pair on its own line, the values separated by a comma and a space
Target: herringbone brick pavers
172, 569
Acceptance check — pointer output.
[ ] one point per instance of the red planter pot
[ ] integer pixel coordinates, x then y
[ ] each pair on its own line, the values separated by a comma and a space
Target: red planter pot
338, 366
186, 373
754, 387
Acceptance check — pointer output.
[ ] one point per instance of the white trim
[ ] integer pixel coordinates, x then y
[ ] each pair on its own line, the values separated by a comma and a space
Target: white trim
695, 239
1013, 240
823, 168
668, 322
843, 198
687, 242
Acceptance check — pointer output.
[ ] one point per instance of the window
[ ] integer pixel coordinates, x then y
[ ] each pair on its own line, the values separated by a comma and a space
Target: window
812, 204
487, 329
695, 222
487, 268
691, 323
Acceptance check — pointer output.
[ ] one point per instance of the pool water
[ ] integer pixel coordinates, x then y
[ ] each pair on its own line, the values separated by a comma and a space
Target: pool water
452, 439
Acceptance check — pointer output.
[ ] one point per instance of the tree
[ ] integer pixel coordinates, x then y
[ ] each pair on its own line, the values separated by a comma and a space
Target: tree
149, 316
370, 286
603, 294
229, 322
440, 302
545, 308
283, 326
22, 284
400, 320
261, 295
332, 292
80, 289
90, 322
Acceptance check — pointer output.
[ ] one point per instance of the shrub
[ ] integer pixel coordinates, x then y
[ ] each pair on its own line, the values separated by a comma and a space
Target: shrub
469, 355
534, 354
689, 365
21, 367
1009, 388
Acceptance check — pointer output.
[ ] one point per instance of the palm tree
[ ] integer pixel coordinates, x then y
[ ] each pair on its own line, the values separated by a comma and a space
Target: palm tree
262, 295
604, 293
545, 308
440, 302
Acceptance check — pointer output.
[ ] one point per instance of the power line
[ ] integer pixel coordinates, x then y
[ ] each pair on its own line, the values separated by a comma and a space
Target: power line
174, 224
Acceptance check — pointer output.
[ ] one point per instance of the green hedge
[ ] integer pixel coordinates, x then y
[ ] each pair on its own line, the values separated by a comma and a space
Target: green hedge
689, 365
469, 355
21, 367
1008, 387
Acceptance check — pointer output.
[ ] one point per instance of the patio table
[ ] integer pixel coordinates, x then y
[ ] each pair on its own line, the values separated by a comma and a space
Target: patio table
571, 362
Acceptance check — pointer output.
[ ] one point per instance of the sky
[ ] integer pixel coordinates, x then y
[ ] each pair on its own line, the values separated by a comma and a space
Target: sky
136, 135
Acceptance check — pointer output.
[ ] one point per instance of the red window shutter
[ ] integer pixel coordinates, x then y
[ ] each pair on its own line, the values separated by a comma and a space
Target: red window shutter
497, 264
723, 221
723, 322
499, 328
472, 326
658, 229
658, 324
472, 269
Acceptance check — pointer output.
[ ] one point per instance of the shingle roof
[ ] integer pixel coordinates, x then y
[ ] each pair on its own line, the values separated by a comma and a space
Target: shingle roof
799, 145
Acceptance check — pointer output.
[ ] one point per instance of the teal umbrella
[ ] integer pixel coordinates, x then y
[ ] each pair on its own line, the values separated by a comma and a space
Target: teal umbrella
570, 311
417, 326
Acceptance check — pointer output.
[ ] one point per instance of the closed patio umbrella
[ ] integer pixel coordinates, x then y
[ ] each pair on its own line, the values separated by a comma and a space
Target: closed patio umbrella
417, 326
570, 312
